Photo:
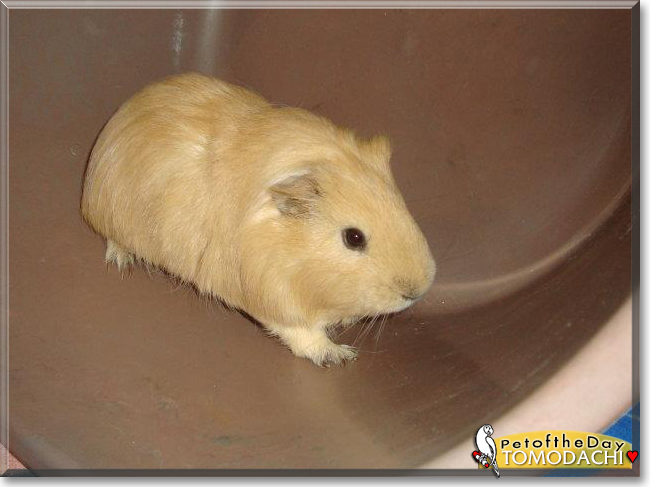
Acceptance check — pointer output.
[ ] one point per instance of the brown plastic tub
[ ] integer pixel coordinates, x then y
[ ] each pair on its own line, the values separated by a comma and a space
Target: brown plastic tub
511, 133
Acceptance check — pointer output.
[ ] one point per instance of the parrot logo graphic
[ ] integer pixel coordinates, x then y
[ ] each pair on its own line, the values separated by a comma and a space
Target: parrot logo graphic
487, 448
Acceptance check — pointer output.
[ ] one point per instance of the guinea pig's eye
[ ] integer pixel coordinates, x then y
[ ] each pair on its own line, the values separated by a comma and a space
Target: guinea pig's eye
354, 239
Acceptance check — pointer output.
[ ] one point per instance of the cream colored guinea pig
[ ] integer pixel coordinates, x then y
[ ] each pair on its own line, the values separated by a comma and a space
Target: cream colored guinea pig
273, 210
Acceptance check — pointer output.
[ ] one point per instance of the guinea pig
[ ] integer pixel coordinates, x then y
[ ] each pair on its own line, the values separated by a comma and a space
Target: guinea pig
273, 210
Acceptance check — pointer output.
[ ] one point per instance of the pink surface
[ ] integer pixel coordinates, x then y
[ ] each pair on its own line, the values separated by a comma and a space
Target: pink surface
9, 460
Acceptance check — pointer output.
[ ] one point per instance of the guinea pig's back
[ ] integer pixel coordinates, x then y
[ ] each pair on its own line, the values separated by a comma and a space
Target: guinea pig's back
150, 183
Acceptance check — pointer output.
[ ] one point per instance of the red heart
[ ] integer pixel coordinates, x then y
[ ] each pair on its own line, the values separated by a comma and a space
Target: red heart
632, 455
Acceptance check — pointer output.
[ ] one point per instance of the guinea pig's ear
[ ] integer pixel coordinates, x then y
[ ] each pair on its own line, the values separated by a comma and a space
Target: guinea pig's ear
296, 194
376, 151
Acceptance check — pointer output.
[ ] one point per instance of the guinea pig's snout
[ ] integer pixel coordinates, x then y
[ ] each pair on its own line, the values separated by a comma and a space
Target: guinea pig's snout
411, 291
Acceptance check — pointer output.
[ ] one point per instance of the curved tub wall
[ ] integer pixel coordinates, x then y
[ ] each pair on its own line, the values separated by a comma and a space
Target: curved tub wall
511, 135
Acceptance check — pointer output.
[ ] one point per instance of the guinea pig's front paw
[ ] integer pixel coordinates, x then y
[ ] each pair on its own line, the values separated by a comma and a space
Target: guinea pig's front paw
334, 354
116, 254
314, 345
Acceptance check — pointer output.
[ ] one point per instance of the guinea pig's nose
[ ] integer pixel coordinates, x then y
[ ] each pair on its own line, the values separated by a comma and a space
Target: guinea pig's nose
408, 290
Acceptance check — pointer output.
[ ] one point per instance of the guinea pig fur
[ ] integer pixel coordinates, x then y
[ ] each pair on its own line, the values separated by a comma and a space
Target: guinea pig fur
273, 210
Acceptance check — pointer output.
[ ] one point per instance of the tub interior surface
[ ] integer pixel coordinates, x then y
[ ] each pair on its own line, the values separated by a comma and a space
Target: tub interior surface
511, 138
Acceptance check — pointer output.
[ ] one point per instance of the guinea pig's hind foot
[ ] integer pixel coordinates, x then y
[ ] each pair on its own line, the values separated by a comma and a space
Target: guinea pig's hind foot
115, 254
314, 345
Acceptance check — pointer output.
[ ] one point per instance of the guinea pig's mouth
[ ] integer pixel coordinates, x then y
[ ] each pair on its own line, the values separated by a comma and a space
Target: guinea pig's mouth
406, 302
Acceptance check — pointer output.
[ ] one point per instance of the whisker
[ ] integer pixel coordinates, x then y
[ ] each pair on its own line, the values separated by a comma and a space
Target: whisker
340, 328
368, 329
382, 323
364, 325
